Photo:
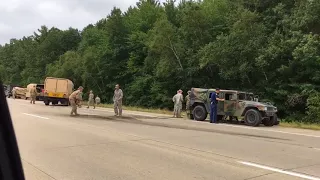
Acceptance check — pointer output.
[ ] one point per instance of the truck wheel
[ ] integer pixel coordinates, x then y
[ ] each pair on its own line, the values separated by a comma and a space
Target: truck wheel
199, 113
270, 121
253, 117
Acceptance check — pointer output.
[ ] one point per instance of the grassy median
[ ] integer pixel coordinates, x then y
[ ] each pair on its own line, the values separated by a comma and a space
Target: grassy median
300, 125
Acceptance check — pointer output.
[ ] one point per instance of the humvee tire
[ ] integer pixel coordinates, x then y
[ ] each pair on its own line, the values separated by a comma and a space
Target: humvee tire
199, 113
252, 117
271, 121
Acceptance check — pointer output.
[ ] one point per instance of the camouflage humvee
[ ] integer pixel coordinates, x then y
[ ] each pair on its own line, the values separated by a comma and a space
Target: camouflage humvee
236, 105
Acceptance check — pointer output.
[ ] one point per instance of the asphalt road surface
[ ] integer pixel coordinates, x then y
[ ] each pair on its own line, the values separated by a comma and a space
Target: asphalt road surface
99, 146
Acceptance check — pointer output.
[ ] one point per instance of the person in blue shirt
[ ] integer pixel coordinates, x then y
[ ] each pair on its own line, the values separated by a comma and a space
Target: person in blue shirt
214, 106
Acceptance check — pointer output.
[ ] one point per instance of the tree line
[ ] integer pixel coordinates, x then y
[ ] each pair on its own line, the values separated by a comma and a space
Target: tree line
271, 48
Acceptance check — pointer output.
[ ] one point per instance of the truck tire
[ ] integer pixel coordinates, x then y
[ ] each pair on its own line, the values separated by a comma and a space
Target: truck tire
270, 121
252, 117
46, 102
199, 113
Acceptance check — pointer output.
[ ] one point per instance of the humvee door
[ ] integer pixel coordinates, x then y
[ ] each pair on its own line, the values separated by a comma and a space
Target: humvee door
229, 106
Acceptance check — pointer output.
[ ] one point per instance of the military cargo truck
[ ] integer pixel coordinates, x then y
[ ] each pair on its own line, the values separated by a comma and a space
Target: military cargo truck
57, 90
252, 112
20, 92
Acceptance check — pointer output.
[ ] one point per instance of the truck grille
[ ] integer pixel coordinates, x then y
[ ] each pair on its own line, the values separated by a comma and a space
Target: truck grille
270, 109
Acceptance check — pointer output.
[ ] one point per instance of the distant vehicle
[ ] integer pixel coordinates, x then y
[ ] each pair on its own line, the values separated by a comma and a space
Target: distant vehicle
9, 88
20, 92
252, 112
57, 90
39, 88
5, 90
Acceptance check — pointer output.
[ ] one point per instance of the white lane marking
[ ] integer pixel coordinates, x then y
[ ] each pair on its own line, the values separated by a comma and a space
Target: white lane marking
91, 114
35, 116
261, 129
279, 170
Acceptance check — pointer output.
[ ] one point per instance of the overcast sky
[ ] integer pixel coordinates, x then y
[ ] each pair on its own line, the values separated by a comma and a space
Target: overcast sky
20, 18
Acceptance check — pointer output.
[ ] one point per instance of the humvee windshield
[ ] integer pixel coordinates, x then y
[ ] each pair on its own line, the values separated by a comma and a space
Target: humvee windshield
246, 96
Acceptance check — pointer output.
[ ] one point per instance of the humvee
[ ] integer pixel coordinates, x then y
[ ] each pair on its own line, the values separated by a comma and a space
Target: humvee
235, 106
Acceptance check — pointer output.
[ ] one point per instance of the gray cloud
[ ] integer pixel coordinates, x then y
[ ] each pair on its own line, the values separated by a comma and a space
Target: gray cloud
20, 18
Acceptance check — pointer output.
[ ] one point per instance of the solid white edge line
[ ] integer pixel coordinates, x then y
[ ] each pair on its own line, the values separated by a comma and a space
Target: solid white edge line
284, 132
35, 116
279, 170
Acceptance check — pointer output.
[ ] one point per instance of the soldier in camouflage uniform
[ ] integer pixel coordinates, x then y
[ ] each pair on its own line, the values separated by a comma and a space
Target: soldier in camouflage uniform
79, 99
177, 100
91, 100
33, 94
74, 98
97, 100
188, 104
117, 100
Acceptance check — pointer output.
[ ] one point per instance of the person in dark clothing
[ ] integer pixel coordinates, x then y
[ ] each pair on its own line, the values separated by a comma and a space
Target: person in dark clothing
214, 106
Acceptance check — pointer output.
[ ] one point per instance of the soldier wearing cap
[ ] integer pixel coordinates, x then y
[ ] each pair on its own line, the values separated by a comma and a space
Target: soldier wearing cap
73, 99
214, 106
91, 100
117, 100
177, 100
33, 94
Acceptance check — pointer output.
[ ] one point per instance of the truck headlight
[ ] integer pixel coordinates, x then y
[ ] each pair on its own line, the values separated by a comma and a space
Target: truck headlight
262, 108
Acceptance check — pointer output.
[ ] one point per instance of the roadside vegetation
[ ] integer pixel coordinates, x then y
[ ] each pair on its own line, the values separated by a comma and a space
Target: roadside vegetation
300, 125
152, 49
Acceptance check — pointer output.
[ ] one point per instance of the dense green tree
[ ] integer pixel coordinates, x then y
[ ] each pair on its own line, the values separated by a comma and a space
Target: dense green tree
152, 49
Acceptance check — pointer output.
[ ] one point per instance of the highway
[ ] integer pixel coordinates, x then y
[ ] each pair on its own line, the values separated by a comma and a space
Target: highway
146, 146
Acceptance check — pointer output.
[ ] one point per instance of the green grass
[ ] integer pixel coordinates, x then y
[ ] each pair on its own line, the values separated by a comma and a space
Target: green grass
300, 125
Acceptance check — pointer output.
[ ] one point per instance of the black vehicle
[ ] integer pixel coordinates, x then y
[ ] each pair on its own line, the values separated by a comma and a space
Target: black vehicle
5, 89
8, 89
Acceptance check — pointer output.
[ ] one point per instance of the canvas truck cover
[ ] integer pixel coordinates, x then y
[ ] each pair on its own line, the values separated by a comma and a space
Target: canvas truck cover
20, 91
200, 94
58, 87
